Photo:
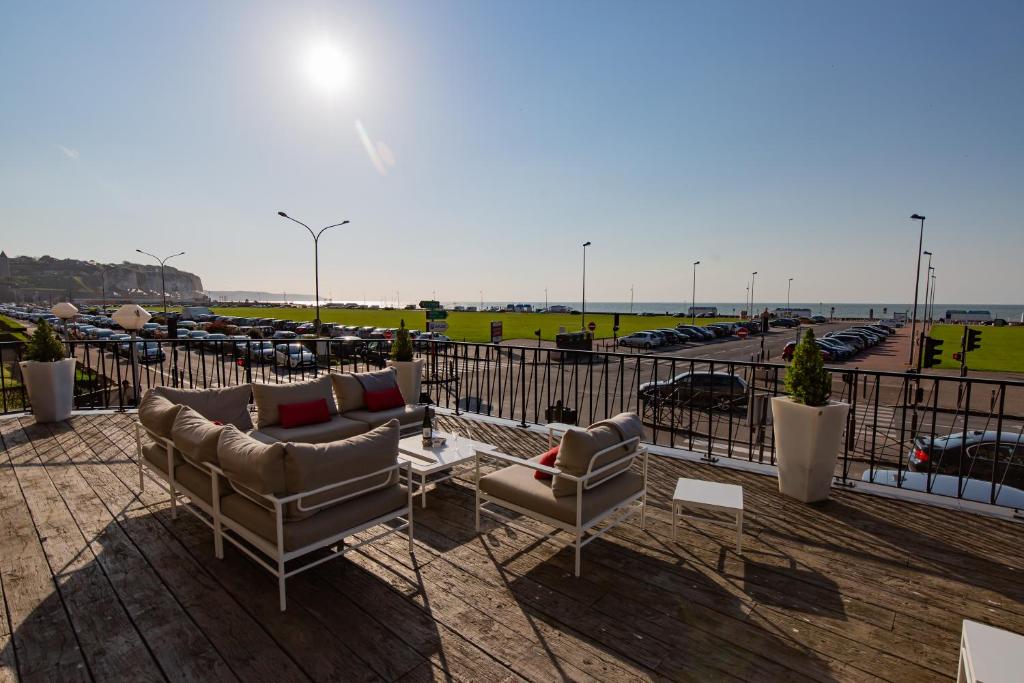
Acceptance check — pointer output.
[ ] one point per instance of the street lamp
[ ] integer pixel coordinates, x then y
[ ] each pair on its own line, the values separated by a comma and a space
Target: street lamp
316, 259
132, 317
927, 283
65, 311
163, 282
789, 288
753, 277
583, 317
693, 295
917, 284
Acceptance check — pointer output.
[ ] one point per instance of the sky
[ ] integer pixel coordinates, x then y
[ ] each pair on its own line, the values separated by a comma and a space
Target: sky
474, 146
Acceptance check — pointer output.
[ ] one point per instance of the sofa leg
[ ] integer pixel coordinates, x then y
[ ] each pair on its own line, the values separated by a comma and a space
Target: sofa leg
174, 501
280, 586
643, 513
218, 541
579, 549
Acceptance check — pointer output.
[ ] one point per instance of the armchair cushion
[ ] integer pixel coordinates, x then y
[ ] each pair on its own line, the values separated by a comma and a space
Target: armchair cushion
196, 437
517, 485
578, 448
229, 405
269, 397
157, 413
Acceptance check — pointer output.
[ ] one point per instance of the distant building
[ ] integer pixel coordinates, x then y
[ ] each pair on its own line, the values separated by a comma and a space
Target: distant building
702, 311
793, 312
962, 316
558, 308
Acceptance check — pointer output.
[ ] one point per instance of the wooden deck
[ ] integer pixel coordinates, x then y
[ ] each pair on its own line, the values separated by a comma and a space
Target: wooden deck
100, 583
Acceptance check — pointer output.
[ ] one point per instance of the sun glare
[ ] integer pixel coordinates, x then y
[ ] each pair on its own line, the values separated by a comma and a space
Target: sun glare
327, 67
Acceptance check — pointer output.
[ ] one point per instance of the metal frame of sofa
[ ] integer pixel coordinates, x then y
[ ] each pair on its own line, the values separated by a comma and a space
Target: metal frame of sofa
581, 530
225, 528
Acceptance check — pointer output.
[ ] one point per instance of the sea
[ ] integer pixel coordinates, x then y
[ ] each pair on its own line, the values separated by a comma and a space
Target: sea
1009, 312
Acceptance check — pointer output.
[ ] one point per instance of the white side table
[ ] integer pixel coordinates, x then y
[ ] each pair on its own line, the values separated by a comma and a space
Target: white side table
989, 654
709, 495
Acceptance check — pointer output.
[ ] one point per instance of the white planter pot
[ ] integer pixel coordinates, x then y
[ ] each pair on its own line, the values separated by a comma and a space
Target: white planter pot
807, 441
410, 378
51, 388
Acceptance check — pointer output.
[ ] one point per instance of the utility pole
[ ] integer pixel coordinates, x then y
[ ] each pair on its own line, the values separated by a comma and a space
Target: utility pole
163, 282
917, 284
316, 260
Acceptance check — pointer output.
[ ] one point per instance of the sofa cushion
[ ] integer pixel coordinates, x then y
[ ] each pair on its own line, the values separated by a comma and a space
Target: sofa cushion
348, 391
578, 448
156, 453
196, 482
406, 415
269, 396
229, 405
378, 380
196, 437
385, 399
311, 466
338, 427
157, 413
305, 413
517, 485
251, 464
324, 524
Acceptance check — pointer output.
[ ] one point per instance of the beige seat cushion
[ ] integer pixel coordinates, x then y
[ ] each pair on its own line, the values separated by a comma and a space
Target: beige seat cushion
189, 477
228, 405
157, 454
157, 413
311, 466
517, 485
578, 448
406, 415
324, 524
196, 437
338, 427
348, 391
269, 396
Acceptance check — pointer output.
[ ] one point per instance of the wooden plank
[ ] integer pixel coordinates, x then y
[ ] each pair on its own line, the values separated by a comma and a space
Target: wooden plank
41, 633
234, 634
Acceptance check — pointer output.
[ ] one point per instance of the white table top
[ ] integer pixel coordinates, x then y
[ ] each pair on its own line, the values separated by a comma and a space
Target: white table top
709, 493
430, 460
995, 655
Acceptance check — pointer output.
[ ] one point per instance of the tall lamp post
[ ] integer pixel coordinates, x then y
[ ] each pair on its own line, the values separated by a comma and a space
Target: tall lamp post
927, 287
163, 282
132, 317
693, 295
753, 277
316, 259
789, 289
583, 317
917, 285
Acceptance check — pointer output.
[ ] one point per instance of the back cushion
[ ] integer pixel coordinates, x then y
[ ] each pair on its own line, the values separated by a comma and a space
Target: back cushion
578, 447
269, 396
196, 437
157, 413
310, 466
229, 405
252, 464
348, 391
378, 380
384, 400
306, 413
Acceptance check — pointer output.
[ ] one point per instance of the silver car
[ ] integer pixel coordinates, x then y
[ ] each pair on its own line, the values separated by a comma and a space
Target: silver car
294, 356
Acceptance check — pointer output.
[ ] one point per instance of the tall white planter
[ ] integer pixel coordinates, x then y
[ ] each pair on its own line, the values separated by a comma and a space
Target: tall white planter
51, 388
807, 441
410, 378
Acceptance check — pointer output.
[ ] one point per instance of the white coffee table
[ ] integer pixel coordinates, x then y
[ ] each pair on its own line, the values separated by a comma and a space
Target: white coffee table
989, 654
434, 465
709, 495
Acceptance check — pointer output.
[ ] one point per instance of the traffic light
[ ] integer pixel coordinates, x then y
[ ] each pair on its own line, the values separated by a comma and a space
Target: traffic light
973, 339
931, 352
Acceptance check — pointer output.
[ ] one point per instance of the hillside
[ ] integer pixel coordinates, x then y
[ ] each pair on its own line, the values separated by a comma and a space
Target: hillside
88, 279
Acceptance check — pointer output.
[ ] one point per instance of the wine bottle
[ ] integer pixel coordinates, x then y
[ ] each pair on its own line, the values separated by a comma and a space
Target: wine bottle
428, 428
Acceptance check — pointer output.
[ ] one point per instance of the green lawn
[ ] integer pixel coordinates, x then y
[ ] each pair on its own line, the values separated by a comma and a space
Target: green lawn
11, 330
472, 326
1002, 348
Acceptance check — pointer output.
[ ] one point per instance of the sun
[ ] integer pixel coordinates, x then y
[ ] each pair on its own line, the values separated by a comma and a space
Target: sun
327, 67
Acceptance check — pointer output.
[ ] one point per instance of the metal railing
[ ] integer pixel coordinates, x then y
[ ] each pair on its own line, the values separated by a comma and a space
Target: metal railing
716, 408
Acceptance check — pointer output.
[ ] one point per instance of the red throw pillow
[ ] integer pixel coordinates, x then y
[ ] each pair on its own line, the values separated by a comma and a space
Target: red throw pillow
383, 399
547, 459
307, 413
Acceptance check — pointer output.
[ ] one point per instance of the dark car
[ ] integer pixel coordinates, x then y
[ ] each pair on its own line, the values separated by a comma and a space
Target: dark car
840, 351
977, 456
673, 337
704, 333
700, 390
856, 341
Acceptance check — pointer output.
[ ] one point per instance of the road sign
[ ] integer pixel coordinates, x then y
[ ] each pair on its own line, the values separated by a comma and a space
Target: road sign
496, 331
437, 326
591, 326
387, 334
436, 314
430, 304
742, 333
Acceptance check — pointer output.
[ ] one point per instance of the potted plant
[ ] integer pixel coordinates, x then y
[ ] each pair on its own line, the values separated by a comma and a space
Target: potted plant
410, 372
808, 426
48, 375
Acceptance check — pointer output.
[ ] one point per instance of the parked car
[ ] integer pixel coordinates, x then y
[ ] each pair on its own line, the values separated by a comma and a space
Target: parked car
947, 485
699, 390
255, 351
819, 319
790, 348
284, 334
976, 456
641, 340
428, 340
294, 356
673, 337
149, 352
703, 333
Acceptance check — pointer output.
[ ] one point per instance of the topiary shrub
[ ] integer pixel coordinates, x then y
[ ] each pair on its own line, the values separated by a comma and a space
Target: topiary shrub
807, 381
401, 349
44, 346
